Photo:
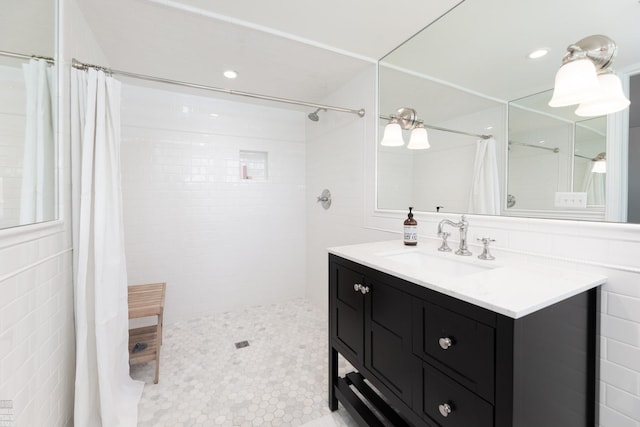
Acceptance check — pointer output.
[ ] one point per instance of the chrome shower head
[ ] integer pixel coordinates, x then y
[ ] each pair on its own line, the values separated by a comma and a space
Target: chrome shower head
314, 116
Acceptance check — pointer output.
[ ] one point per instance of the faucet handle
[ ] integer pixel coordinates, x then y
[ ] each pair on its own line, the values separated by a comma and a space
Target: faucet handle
444, 247
485, 251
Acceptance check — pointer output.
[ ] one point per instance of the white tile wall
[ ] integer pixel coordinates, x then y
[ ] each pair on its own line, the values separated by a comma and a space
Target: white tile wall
219, 241
12, 125
36, 326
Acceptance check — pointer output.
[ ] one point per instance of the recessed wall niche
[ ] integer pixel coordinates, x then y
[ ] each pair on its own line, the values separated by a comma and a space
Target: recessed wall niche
253, 165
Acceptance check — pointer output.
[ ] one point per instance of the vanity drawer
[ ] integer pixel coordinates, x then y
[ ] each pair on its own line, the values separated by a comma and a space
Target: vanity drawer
464, 346
450, 404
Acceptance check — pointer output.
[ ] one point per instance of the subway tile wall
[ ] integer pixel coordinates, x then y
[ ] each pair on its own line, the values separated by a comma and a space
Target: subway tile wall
36, 326
219, 241
12, 125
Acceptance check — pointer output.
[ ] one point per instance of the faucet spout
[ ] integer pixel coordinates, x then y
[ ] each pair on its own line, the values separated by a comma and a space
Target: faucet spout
463, 226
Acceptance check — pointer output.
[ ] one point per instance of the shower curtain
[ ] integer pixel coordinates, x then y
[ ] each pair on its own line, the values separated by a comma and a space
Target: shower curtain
105, 394
37, 198
485, 190
594, 186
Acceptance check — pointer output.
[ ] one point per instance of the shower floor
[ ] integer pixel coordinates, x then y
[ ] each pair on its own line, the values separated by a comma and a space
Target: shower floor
278, 379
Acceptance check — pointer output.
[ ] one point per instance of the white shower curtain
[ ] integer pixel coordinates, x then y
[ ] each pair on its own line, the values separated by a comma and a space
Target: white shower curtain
594, 186
37, 199
485, 189
105, 394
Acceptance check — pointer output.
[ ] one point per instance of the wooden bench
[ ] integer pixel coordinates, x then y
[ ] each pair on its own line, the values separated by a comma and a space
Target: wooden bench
146, 301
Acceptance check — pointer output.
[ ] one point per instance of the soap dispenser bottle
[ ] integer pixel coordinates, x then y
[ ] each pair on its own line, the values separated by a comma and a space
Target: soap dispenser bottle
410, 230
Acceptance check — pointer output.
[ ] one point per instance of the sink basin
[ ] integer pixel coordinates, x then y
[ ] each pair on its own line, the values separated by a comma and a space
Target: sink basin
437, 264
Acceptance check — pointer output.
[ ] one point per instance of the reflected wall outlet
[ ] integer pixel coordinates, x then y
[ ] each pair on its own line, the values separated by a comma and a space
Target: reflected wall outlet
571, 200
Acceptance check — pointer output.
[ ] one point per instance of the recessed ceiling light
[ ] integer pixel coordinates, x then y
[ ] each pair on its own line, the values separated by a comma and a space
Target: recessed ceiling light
230, 74
538, 53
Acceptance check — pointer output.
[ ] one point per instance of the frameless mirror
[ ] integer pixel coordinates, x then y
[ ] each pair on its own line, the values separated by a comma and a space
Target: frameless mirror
470, 71
27, 112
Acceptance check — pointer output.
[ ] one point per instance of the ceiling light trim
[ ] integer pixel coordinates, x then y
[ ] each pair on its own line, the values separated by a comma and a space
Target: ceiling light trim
209, 14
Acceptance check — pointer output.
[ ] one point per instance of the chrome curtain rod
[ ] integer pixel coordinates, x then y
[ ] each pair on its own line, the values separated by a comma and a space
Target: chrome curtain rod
82, 66
554, 149
23, 56
459, 132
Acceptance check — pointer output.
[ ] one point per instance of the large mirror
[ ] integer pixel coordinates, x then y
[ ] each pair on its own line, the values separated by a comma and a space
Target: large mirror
27, 112
469, 72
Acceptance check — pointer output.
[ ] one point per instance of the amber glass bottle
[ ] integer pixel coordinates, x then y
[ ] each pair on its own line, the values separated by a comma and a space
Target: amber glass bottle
410, 230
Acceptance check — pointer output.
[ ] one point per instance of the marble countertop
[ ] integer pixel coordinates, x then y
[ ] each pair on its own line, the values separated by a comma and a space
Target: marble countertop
509, 285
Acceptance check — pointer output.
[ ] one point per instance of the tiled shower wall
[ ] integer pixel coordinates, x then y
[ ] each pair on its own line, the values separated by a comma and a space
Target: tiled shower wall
220, 241
12, 124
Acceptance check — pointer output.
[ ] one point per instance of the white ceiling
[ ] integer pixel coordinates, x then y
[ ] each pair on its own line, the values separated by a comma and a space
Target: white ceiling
286, 48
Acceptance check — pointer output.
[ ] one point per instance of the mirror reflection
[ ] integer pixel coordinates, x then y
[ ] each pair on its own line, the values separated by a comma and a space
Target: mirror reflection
27, 85
461, 74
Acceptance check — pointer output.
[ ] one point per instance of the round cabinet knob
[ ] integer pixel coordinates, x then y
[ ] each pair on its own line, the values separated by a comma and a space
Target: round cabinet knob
445, 343
364, 290
357, 287
445, 409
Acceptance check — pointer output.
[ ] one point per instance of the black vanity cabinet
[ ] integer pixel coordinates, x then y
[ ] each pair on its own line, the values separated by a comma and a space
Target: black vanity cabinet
423, 358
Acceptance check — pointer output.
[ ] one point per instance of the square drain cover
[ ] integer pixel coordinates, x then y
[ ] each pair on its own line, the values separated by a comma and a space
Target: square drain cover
242, 344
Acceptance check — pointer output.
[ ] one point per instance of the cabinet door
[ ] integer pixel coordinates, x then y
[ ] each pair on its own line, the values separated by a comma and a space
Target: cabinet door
388, 338
464, 346
348, 312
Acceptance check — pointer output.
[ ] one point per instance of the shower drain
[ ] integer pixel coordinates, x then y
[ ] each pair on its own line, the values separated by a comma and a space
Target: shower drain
242, 344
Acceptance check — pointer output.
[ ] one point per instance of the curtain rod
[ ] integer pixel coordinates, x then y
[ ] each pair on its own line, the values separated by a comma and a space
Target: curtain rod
82, 66
23, 56
459, 132
554, 149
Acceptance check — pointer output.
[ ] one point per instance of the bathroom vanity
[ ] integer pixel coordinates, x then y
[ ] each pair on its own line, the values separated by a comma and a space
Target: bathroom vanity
443, 340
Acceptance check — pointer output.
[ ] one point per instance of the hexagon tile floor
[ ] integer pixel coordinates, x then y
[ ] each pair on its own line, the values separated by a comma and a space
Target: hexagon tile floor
279, 379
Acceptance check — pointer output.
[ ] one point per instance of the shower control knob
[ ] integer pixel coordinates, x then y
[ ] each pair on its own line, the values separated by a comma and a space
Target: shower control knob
445, 343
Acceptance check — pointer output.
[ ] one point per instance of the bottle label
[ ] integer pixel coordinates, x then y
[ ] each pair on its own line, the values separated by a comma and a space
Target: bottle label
411, 233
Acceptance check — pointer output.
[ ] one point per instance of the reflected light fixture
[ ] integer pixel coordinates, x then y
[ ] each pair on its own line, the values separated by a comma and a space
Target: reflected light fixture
405, 118
392, 134
538, 53
586, 78
599, 163
419, 139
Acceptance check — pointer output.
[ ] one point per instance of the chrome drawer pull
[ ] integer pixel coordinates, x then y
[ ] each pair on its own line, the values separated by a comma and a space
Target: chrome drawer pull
445, 409
445, 343
357, 287
364, 290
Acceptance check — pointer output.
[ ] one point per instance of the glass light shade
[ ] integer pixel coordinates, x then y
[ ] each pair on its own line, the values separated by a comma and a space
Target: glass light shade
419, 139
392, 136
610, 98
576, 82
599, 166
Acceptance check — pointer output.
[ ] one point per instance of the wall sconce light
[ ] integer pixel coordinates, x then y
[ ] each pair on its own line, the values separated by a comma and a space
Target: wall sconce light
586, 78
405, 119
599, 163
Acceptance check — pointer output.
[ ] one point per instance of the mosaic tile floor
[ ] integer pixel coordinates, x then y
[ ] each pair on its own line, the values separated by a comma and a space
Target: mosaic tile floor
280, 379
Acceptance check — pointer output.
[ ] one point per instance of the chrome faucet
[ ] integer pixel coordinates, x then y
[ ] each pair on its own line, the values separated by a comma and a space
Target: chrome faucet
463, 225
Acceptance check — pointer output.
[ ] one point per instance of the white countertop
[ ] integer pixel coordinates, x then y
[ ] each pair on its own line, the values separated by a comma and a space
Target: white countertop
508, 285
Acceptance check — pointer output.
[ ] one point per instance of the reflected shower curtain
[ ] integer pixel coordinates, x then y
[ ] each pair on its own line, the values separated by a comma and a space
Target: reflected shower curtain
37, 198
485, 189
105, 394
594, 186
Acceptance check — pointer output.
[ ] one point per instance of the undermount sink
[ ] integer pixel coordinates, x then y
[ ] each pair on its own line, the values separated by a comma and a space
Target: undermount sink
437, 264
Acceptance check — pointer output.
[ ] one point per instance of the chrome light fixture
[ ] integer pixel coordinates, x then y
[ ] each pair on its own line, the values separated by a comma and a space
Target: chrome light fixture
405, 119
392, 134
419, 139
586, 78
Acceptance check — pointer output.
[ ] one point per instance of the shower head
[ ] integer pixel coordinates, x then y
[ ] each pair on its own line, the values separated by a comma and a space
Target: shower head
314, 116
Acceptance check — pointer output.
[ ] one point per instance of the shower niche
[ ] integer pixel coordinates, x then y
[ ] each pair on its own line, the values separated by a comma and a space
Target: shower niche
254, 165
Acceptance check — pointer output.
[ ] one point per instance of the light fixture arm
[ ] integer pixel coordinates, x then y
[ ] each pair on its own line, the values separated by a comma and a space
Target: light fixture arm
601, 50
406, 117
